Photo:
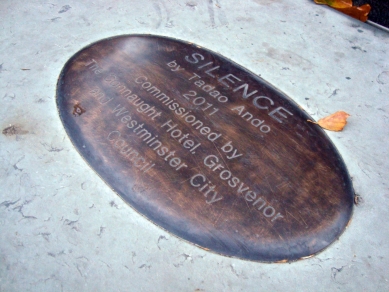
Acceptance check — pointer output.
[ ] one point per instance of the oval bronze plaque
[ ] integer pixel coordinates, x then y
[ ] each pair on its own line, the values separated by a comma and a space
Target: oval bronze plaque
204, 148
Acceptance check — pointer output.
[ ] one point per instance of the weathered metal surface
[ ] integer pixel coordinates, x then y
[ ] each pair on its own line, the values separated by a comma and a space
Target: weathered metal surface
204, 148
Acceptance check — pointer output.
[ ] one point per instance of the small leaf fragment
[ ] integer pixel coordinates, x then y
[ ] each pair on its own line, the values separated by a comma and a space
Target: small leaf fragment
334, 122
346, 6
336, 3
361, 13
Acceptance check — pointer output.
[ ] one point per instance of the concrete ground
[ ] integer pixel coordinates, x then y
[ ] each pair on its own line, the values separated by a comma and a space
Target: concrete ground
63, 229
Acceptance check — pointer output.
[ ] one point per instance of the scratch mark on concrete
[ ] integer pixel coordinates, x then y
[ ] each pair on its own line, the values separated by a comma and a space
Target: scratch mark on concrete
133, 255
46, 236
51, 148
335, 271
211, 13
101, 231
221, 15
6, 204
144, 266
15, 165
78, 269
159, 13
55, 19
20, 210
234, 271
83, 258
113, 204
65, 8
10, 96
105, 264
335, 92
161, 238
72, 224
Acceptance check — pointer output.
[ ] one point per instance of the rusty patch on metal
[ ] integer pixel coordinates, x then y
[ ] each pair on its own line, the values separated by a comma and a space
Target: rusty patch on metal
204, 148
78, 110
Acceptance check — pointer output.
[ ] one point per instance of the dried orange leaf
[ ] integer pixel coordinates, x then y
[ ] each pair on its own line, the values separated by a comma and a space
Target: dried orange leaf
334, 122
336, 3
359, 13
346, 7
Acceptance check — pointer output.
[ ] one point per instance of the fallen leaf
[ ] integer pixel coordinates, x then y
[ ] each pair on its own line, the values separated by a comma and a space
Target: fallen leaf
334, 122
346, 6
361, 13
336, 3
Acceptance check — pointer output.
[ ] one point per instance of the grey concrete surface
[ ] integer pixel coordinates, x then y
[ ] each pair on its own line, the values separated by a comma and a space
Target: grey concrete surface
63, 229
